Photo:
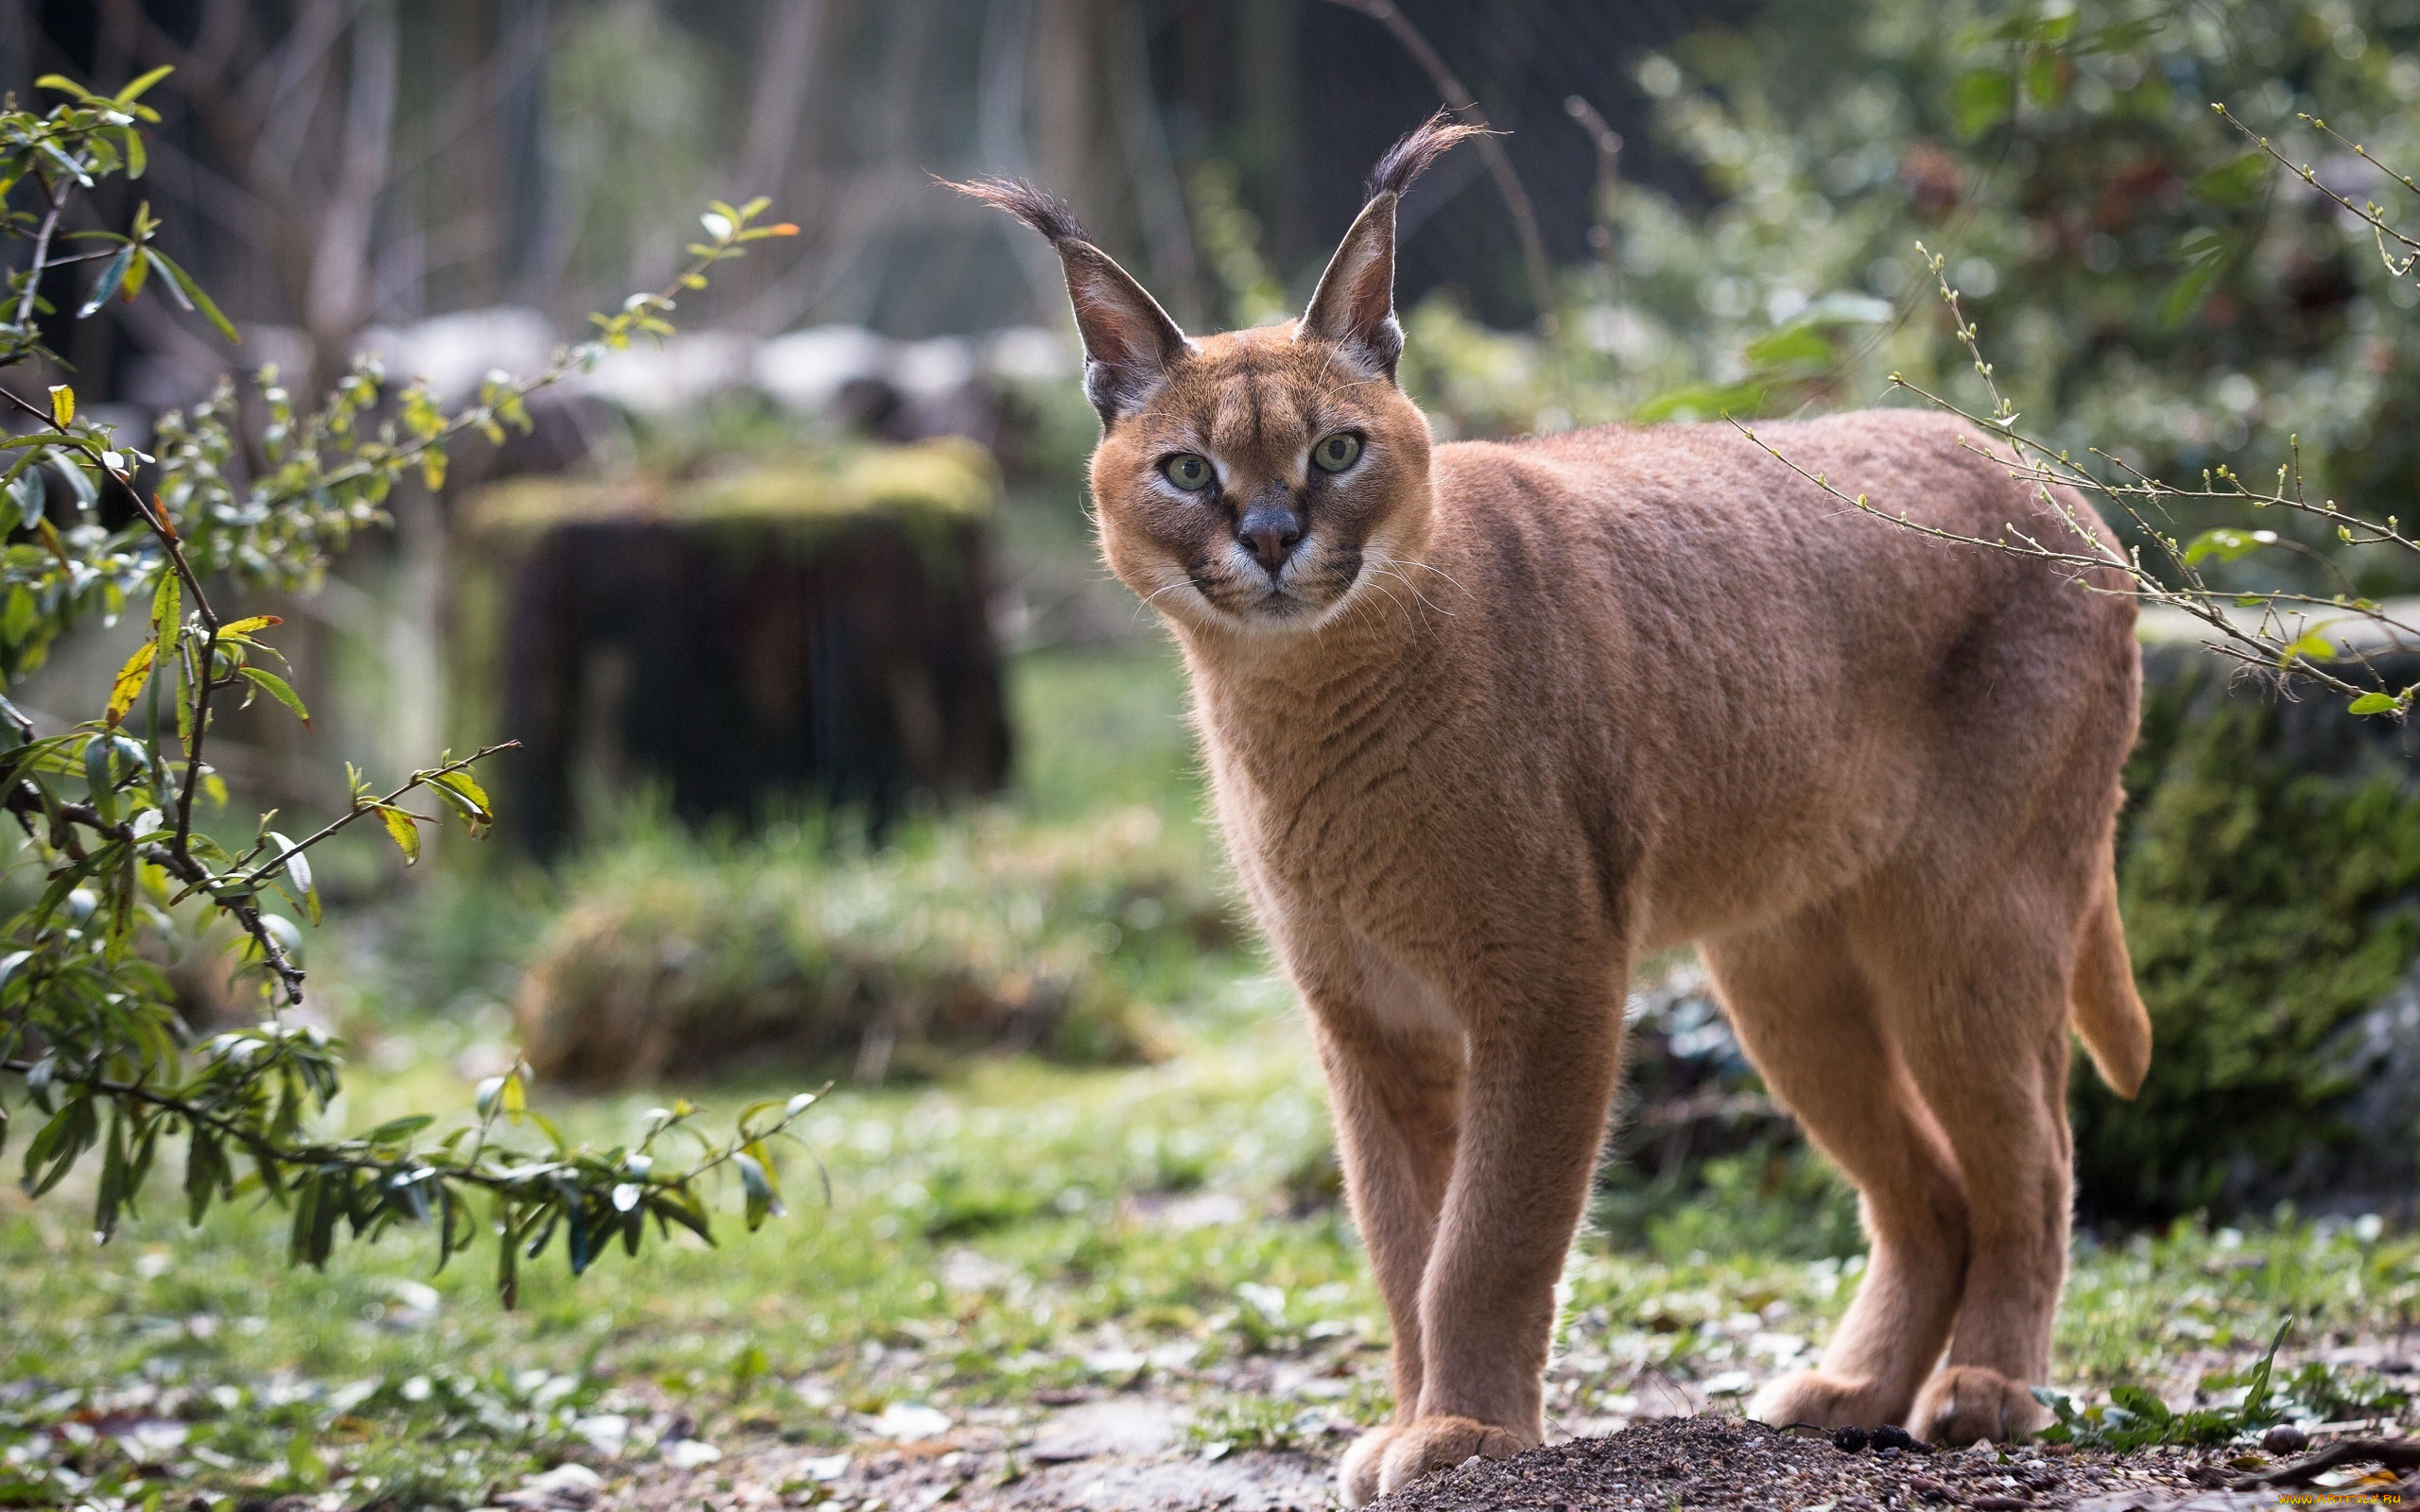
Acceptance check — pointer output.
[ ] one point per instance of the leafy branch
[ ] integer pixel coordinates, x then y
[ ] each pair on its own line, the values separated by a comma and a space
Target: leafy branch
88, 1025
2332, 639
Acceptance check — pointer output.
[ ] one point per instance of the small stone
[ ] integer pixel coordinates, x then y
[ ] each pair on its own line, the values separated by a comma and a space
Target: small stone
910, 1422
2285, 1440
689, 1453
1474, 1460
825, 1466
567, 1488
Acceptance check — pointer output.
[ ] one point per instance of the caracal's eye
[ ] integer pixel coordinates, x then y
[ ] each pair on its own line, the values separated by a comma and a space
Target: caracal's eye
1188, 470
1335, 453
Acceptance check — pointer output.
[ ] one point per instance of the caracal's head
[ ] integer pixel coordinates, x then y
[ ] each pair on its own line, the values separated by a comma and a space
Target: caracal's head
1253, 481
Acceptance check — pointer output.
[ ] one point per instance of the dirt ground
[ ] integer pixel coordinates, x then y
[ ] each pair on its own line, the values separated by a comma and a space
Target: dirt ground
1723, 1463
1128, 1451
1157, 1443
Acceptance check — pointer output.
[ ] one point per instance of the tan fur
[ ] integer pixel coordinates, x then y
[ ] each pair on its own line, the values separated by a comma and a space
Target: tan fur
1513, 715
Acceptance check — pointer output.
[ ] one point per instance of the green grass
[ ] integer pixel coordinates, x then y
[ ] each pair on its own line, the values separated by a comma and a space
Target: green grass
1011, 1227
1004, 1232
1104, 729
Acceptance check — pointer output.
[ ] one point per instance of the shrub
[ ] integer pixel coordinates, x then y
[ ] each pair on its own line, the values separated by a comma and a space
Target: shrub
676, 958
2269, 870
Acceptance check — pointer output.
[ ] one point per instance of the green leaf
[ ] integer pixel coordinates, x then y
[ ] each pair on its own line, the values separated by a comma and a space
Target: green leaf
1983, 98
756, 1180
61, 1144
70, 465
279, 690
2227, 544
2141, 1404
1703, 402
580, 1242
2256, 1397
113, 1189
1796, 348
670, 1207
2045, 74
190, 294
2186, 295
399, 1130
167, 607
168, 622
403, 826
206, 1173
142, 85
2309, 647
2376, 703
100, 777
2233, 184
466, 798
508, 1272
26, 491
464, 783
113, 274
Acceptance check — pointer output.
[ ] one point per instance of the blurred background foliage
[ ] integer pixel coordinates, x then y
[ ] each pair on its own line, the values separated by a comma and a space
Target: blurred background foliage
1723, 204
968, 818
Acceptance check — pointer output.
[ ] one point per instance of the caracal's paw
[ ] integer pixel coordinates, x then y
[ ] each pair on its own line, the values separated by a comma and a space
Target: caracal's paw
1965, 1404
1441, 1443
1356, 1479
1824, 1399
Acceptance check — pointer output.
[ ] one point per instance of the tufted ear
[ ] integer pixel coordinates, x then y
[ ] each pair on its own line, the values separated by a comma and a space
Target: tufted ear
1130, 342
1354, 306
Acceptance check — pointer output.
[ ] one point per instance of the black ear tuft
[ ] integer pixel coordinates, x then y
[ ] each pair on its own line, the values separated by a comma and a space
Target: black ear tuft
1044, 212
1409, 158
1354, 304
1130, 342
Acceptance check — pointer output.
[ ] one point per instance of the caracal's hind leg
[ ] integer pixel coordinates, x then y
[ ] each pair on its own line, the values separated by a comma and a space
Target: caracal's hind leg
1976, 984
1811, 1026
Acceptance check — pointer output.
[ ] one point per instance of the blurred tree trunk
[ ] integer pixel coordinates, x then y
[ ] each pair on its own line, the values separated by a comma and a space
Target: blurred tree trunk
1097, 139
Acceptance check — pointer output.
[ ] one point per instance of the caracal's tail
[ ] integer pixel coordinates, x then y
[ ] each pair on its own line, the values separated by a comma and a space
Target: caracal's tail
2108, 1013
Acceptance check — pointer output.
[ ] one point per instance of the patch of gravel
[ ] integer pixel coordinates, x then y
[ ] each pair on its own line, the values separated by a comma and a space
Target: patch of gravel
1119, 1455
1728, 1465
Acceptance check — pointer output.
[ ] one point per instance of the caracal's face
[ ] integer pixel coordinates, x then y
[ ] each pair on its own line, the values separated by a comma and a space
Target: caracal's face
1263, 485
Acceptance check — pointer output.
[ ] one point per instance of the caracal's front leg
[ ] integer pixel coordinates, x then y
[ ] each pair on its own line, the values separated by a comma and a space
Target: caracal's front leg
1543, 1064
1395, 1094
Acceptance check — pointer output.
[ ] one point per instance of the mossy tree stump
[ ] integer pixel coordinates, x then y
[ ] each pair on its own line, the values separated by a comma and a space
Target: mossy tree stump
815, 629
